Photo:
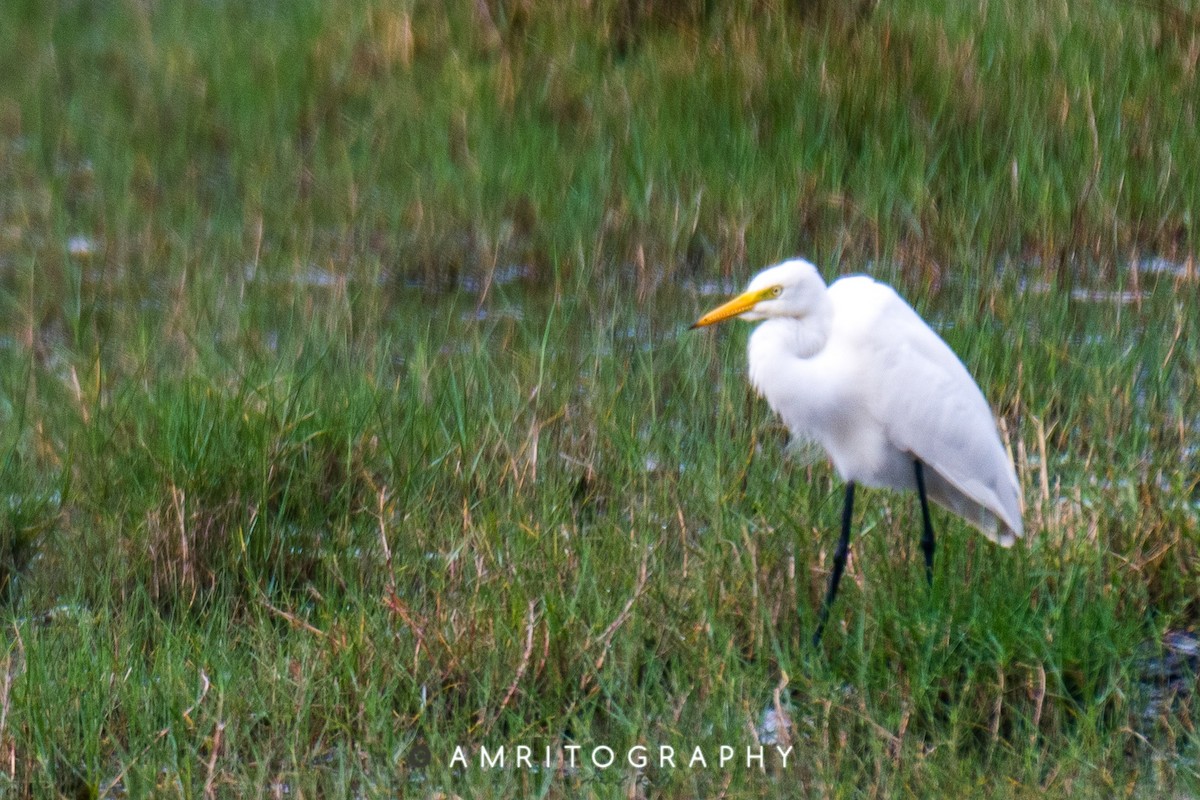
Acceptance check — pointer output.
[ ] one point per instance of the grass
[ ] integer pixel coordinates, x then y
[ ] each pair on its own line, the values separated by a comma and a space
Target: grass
346, 403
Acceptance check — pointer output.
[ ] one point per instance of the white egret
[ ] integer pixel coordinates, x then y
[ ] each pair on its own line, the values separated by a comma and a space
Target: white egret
853, 367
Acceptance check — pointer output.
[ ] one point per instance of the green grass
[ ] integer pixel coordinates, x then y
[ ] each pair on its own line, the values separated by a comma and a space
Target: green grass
362, 412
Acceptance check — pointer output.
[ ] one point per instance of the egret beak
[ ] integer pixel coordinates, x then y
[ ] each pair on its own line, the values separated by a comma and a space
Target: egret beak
738, 305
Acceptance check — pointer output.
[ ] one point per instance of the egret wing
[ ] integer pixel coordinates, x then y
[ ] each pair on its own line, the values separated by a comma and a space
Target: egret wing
931, 407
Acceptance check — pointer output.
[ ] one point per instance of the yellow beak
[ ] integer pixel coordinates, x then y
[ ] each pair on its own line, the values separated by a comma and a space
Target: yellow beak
738, 305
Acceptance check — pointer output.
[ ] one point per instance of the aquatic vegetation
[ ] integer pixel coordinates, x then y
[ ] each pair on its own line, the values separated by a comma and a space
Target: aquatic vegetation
348, 413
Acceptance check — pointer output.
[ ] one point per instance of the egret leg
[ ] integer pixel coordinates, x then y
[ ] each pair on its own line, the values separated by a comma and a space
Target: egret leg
927, 544
839, 563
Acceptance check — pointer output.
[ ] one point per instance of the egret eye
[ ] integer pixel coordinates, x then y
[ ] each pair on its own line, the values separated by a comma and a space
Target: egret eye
776, 291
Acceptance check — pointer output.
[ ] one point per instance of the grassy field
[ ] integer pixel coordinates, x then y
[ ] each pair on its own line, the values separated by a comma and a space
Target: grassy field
348, 413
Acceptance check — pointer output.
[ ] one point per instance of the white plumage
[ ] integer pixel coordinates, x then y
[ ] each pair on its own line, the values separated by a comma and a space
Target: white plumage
854, 368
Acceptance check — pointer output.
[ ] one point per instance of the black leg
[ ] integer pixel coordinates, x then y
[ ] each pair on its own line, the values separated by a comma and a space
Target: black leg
839, 563
927, 538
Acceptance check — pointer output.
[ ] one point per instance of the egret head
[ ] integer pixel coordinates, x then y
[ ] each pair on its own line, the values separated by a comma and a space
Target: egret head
791, 289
